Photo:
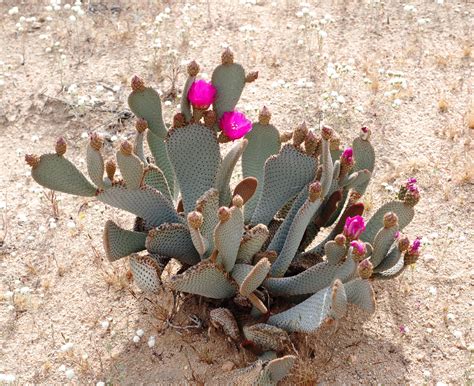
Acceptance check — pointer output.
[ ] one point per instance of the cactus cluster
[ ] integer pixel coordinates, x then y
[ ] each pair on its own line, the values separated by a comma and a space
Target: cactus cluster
252, 246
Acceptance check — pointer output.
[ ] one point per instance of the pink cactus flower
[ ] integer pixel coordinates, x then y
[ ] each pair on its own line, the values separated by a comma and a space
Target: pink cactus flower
234, 124
359, 247
354, 227
410, 185
202, 94
415, 247
347, 156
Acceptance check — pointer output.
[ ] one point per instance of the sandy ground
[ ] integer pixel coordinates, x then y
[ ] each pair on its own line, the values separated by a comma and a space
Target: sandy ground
403, 68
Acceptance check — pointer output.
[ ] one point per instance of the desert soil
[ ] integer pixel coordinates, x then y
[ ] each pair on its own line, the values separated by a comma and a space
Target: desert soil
404, 69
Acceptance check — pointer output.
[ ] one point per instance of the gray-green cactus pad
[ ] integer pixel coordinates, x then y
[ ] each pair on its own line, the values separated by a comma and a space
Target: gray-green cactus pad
119, 242
194, 154
146, 104
229, 80
57, 173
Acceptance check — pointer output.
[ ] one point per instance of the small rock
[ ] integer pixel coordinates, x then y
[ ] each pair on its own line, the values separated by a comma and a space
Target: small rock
228, 366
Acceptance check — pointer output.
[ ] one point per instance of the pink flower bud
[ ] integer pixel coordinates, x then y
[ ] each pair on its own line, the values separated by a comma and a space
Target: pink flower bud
347, 156
358, 247
234, 124
202, 94
415, 247
354, 227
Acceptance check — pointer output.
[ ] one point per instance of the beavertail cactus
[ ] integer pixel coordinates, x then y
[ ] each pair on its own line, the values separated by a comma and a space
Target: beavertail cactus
248, 245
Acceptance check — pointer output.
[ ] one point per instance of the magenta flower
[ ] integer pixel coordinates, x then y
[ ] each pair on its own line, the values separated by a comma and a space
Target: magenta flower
354, 227
415, 247
234, 124
202, 94
347, 156
359, 247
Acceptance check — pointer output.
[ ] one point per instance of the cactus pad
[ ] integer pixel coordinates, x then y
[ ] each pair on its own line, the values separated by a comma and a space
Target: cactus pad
146, 273
119, 242
146, 104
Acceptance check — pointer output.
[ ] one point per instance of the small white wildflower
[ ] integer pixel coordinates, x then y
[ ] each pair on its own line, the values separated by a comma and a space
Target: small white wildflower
426, 374
457, 334
140, 332
53, 225
48, 8
167, 103
100, 383
300, 42
340, 99
42, 229
136, 339
8, 295
432, 290
67, 7
71, 224
69, 373
151, 341
167, 10
397, 103
323, 34
25, 290
13, 11
62, 368
299, 14
72, 89
72, 18
67, 347
105, 324
113, 138
11, 307
35, 138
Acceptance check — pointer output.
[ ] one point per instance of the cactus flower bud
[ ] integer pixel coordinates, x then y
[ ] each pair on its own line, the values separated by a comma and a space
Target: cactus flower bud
202, 94
358, 249
310, 143
96, 141
409, 192
299, 134
327, 133
403, 243
354, 227
365, 133
195, 219
137, 83
141, 125
234, 124
126, 148
365, 269
61, 146
251, 76
340, 239
32, 160
110, 168
413, 252
314, 191
347, 156
390, 219
223, 214
179, 120
210, 118
264, 116
227, 56
237, 201
193, 68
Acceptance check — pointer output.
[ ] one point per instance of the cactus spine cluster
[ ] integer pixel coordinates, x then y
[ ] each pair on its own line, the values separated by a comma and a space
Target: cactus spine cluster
249, 246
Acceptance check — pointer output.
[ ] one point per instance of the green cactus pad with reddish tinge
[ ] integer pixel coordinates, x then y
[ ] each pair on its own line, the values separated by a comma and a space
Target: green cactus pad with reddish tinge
57, 173
119, 242
195, 156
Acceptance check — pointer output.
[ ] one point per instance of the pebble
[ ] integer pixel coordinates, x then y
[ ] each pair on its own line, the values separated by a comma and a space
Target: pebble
67, 347
140, 332
228, 366
105, 324
151, 341
70, 373
136, 339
